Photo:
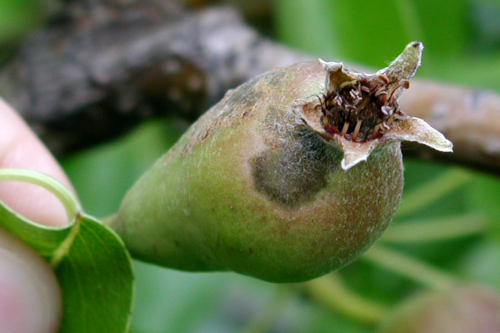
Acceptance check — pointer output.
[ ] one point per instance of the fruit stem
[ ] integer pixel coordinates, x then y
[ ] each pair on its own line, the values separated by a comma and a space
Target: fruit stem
262, 322
331, 292
429, 230
433, 190
410, 267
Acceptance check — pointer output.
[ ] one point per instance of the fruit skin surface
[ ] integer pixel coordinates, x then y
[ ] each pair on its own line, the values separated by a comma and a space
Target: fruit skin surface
253, 189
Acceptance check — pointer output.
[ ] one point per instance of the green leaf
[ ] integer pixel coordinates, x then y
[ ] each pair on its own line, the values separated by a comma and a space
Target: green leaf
92, 265
444, 25
96, 277
431, 191
370, 32
364, 31
484, 194
19, 17
312, 32
482, 263
115, 166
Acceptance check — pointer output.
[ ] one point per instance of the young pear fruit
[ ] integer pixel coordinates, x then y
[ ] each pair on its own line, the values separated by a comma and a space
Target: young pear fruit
292, 175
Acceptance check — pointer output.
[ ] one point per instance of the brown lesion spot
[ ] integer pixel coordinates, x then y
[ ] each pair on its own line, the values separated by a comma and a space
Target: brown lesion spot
295, 174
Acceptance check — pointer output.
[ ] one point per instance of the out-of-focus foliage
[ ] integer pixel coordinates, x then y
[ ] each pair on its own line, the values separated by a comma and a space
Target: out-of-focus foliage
462, 42
19, 17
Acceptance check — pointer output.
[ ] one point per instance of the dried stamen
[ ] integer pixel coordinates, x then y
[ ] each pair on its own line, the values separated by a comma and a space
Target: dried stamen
362, 107
344, 129
386, 111
405, 84
365, 103
390, 120
375, 131
384, 78
356, 130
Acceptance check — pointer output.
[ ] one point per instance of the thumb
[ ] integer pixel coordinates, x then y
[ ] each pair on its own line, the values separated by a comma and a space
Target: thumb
21, 148
30, 298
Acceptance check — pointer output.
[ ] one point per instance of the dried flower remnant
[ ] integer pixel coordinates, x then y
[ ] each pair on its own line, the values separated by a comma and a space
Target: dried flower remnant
360, 111
268, 182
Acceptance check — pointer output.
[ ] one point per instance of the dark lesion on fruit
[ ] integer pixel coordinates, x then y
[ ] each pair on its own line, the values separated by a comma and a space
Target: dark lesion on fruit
361, 110
295, 174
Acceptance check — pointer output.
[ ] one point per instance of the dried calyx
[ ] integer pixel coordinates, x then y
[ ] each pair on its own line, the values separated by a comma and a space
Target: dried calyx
360, 111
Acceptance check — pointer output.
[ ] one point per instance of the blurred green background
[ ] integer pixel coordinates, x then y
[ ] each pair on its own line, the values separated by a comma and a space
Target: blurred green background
462, 40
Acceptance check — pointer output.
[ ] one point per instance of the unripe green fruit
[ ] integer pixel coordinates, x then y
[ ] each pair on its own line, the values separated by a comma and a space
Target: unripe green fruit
269, 183
461, 309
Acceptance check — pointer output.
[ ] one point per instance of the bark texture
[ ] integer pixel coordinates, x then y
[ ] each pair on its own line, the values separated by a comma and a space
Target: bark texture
100, 67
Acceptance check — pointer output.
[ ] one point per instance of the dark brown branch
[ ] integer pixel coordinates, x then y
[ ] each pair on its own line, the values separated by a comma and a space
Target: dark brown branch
95, 72
469, 118
79, 83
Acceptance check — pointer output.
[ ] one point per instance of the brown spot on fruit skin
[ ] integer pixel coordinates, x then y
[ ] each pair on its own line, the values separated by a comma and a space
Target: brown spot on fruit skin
169, 156
293, 175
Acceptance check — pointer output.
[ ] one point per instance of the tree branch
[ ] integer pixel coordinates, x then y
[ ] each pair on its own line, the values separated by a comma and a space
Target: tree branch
470, 118
78, 84
97, 70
